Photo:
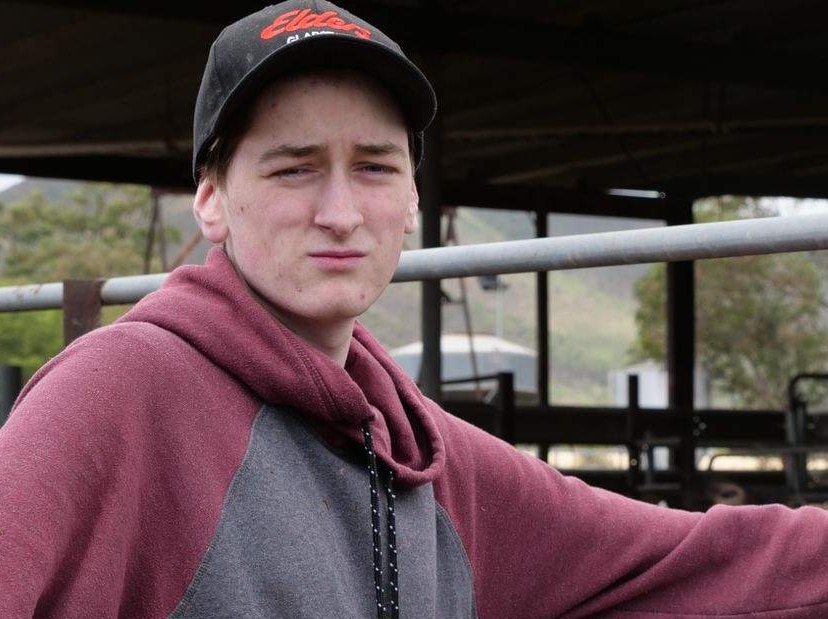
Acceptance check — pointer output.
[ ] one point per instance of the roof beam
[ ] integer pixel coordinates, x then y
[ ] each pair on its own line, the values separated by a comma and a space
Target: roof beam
548, 43
536, 166
698, 126
175, 173
552, 200
147, 147
49, 104
701, 187
540, 42
167, 172
763, 159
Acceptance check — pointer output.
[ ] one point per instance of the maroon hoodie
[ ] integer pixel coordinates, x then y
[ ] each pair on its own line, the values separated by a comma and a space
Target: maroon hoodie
198, 460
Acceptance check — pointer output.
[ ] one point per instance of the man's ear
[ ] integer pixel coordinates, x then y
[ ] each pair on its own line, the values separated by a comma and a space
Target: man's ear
411, 222
208, 208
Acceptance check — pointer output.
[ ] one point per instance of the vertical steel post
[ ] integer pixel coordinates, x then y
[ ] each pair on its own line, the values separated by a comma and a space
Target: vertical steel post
797, 471
681, 352
81, 307
10, 385
633, 446
431, 313
506, 397
542, 299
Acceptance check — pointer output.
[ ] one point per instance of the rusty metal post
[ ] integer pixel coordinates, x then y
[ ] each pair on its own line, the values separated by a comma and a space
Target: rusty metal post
153, 225
81, 307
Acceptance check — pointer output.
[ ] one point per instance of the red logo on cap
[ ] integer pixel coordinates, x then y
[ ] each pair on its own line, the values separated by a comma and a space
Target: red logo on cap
305, 19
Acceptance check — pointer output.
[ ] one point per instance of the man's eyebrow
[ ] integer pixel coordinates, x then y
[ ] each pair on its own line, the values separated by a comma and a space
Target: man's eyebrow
294, 151
380, 148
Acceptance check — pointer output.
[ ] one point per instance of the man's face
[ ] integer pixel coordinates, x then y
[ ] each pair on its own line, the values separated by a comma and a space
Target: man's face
317, 197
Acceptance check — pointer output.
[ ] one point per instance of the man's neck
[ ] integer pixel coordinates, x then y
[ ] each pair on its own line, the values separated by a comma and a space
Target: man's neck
333, 340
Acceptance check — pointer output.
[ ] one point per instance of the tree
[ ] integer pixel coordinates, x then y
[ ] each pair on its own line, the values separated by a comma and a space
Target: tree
97, 231
759, 319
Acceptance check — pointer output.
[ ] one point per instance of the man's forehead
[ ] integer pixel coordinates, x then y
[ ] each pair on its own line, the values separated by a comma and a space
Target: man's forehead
329, 84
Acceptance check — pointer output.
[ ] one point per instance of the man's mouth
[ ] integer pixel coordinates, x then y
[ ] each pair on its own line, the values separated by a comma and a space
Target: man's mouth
337, 259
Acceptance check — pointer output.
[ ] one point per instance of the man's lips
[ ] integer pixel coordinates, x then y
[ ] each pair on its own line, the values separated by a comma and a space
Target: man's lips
336, 259
337, 253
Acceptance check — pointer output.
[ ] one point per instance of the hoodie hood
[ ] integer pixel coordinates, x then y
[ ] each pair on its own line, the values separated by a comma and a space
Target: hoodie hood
212, 309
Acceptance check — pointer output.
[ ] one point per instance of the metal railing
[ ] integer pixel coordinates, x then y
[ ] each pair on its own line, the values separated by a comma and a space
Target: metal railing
675, 243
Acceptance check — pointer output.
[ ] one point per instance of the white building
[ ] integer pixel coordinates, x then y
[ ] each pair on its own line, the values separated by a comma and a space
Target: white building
652, 385
492, 355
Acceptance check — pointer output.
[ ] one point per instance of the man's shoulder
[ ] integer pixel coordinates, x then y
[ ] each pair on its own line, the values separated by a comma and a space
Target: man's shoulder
123, 348
125, 361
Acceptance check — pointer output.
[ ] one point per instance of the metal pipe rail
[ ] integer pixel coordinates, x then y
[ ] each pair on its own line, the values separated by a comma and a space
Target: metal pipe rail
675, 243
745, 237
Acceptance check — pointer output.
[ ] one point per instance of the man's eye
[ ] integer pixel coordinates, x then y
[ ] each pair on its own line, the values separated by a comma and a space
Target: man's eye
291, 172
377, 168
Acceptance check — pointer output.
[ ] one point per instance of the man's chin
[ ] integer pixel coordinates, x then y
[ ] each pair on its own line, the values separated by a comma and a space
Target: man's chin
327, 315
342, 311
323, 303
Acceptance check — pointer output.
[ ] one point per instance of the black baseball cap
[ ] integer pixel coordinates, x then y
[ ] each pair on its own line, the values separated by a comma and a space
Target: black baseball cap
301, 35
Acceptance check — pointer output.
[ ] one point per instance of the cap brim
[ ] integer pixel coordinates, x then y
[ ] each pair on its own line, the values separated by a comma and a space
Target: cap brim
402, 78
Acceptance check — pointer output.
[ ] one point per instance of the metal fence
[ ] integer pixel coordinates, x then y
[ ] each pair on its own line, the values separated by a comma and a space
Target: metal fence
679, 425
675, 243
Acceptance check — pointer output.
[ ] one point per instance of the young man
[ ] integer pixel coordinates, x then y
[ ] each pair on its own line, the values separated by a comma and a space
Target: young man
239, 446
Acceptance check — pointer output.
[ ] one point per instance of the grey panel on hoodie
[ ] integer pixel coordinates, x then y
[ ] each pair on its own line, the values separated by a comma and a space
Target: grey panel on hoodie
294, 539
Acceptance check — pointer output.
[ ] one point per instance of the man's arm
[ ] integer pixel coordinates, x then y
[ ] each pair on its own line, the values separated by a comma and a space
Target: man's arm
113, 470
543, 545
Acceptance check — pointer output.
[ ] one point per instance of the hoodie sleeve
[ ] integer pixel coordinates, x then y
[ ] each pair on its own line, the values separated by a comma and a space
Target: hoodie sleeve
544, 545
111, 479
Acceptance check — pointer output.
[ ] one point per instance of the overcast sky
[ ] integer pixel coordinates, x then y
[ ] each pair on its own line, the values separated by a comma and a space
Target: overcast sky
7, 180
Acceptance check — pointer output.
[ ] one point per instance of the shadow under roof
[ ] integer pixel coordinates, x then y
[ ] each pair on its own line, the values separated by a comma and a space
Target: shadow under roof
686, 97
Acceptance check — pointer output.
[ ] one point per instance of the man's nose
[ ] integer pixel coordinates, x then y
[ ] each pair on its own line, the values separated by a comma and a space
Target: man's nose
338, 210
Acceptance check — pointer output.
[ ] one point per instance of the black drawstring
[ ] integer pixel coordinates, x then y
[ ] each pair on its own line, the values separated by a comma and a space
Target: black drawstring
391, 610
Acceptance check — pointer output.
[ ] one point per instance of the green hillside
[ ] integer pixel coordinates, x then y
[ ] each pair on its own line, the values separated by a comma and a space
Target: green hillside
591, 310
